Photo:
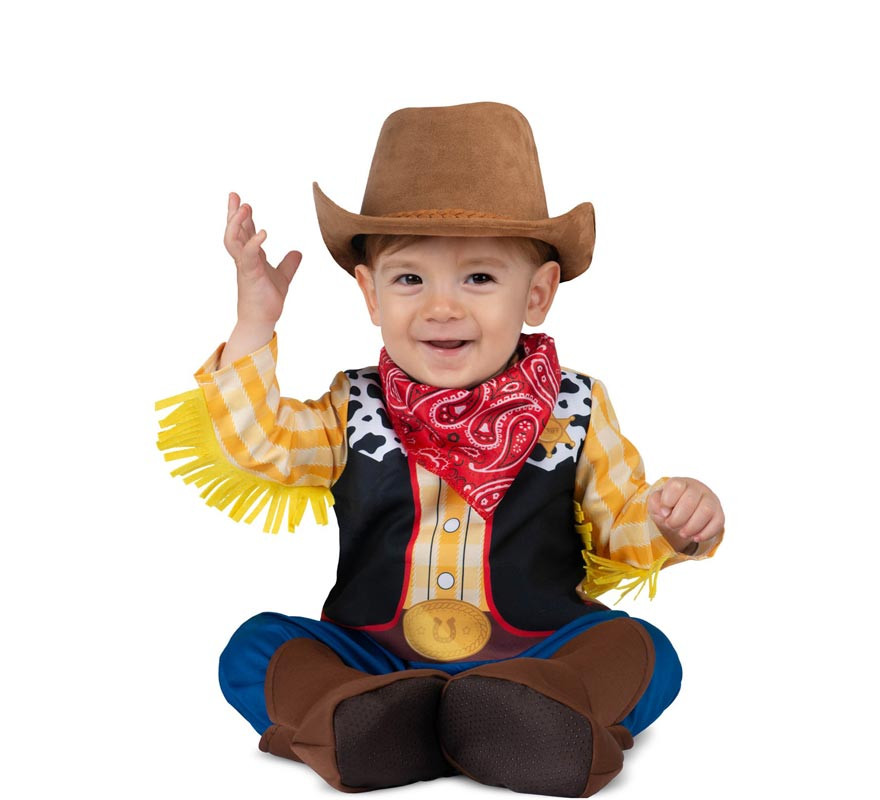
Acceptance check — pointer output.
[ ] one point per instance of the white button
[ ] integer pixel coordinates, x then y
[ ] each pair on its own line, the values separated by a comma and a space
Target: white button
445, 580
451, 525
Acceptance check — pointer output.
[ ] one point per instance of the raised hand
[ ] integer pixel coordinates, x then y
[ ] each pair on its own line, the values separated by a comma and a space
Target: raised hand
262, 288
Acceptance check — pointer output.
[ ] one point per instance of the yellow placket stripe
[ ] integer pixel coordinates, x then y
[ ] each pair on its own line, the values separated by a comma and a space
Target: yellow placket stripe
448, 546
472, 560
420, 578
447, 557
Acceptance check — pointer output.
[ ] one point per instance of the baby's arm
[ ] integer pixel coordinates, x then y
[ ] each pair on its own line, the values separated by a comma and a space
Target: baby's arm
262, 288
250, 448
625, 541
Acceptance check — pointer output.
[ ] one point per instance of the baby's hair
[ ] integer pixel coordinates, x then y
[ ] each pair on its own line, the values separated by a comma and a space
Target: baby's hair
373, 245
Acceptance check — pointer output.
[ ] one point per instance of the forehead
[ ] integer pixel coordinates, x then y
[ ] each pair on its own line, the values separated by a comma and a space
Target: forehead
454, 249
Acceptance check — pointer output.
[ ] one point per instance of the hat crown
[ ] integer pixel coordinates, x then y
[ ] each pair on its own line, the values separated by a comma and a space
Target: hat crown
477, 157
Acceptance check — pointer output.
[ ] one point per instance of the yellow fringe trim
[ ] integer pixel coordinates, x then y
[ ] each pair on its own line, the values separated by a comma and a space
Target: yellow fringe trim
603, 574
187, 432
584, 529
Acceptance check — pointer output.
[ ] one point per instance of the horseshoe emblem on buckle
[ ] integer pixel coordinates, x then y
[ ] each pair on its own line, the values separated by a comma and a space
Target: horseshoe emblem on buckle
446, 630
450, 626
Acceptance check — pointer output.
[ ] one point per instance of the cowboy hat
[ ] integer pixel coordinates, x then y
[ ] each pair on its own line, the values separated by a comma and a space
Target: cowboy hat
465, 170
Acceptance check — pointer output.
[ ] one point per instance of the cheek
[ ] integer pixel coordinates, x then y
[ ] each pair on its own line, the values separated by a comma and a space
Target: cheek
383, 311
506, 321
395, 326
391, 315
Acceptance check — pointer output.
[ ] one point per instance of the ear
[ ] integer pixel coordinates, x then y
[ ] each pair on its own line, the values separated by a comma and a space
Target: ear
542, 290
364, 277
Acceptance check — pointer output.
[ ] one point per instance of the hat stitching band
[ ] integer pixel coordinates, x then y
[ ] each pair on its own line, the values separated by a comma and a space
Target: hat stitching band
445, 213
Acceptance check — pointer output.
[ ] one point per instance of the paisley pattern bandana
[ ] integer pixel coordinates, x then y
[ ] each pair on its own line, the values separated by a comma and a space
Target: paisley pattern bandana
477, 440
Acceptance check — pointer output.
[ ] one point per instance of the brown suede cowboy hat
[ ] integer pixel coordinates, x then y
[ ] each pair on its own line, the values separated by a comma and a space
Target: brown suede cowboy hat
466, 170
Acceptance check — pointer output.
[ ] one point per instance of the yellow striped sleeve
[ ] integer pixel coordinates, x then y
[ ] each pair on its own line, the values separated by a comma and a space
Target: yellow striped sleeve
289, 441
623, 543
252, 449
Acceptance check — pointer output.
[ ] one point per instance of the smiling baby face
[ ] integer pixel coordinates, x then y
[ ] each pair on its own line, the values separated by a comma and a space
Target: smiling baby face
451, 309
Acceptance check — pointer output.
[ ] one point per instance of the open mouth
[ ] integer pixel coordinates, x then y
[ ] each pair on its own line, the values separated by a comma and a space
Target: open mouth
447, 344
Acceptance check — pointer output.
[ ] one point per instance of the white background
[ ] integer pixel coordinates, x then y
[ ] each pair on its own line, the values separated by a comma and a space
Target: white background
731, 152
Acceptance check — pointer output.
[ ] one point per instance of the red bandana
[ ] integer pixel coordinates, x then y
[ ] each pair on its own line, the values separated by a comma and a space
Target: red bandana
476, 439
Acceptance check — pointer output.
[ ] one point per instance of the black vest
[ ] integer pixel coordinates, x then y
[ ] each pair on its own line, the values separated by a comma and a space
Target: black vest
535, 561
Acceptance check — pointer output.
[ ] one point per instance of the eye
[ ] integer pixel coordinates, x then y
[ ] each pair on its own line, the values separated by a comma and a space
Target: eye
480, 278
408, 280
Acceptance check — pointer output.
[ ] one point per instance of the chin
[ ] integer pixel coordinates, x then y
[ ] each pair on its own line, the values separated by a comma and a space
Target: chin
442, 382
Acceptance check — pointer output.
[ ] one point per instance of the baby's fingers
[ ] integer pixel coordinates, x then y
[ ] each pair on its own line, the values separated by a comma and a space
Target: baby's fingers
289, 265
698, 520
673, 490
661, 502
713, 527
249, 262
233, 202
247, 221
235, 237
683, 510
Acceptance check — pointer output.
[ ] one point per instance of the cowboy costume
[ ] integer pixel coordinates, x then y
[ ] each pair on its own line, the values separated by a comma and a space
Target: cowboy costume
466, 518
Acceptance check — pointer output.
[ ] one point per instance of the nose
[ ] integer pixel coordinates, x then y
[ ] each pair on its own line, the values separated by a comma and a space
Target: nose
442, 305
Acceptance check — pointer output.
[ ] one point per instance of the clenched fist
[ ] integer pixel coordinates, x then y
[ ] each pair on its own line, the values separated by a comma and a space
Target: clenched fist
686, 512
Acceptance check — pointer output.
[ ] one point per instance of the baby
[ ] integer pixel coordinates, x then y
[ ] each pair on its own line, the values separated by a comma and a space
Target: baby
472, 478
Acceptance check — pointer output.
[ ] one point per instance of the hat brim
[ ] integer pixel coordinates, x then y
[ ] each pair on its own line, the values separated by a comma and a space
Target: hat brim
572, 234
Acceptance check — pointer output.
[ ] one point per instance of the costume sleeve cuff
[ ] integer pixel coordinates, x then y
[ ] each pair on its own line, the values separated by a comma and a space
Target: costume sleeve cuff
211, 367
188, 434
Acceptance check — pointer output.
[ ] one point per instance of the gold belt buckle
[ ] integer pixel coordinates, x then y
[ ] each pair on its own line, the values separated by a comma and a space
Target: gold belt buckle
446, 630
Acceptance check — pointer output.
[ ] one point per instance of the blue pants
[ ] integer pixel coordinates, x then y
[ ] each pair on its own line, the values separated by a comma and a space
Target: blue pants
244, 662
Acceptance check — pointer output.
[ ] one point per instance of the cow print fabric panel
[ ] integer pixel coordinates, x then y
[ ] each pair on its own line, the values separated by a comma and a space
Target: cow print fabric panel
370, 432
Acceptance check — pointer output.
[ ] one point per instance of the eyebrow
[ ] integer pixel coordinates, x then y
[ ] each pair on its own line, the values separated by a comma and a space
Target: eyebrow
392, 263
488, 260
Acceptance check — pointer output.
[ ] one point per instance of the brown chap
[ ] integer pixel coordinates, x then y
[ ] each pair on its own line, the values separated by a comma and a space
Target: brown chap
550, 726
357, 731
